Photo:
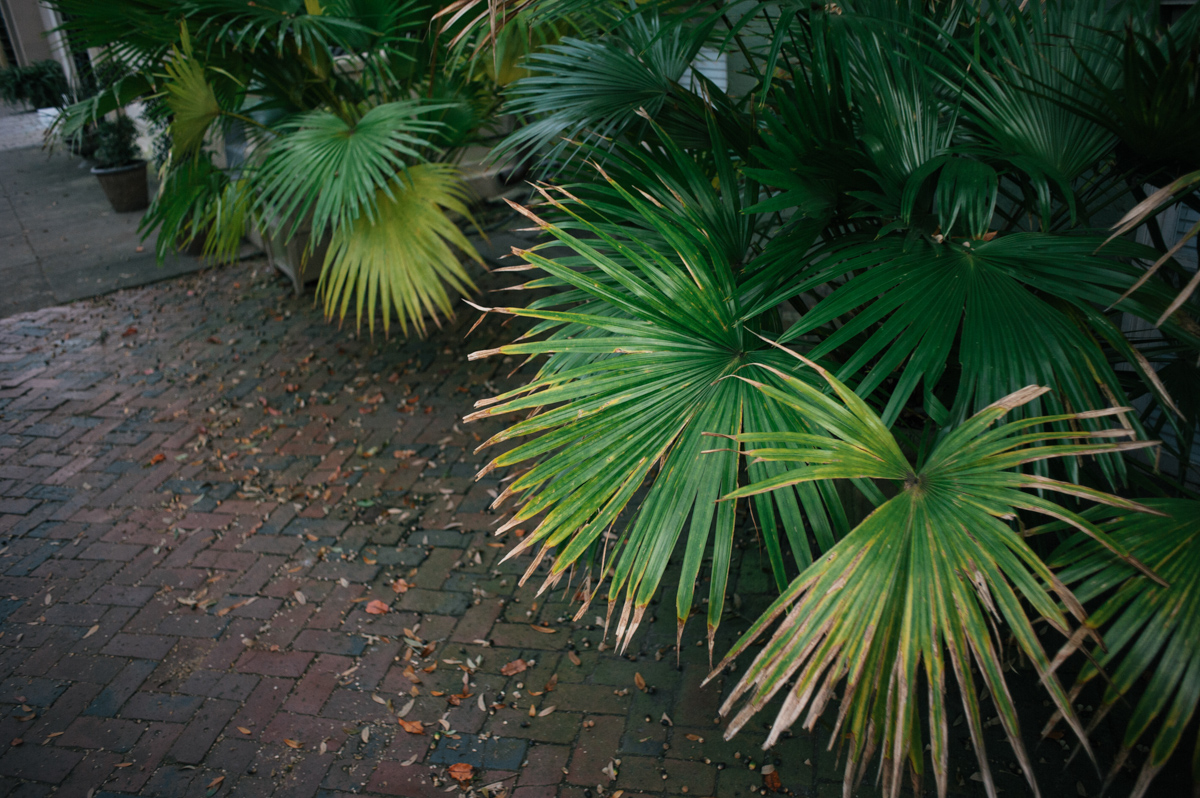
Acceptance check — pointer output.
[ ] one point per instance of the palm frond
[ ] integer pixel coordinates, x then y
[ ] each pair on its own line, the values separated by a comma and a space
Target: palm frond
1151, 631
637, 376
403, 257
335, 170
931, 572
922, 313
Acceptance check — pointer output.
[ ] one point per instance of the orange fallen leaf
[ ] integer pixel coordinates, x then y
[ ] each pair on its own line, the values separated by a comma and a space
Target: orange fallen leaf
377, 607
544, 629
243, 730
575, 660
514, 667
158, 458
293, 744
129, 331
550, 685
696, 738
461, 772
772, 781
123, 765
401, 585
215, 782
639, 681
411, 726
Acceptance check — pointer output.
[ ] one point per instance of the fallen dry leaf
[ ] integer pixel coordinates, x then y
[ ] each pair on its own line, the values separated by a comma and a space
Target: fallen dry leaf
772, 781
514, 667
696, 738
543, 629
411, 726
639, 681
293, 743
158, 458
461, 772
243, 730
410, 760
401, 585
215, 782
546, 712
377, 607
550, 685
575, 660
91, 631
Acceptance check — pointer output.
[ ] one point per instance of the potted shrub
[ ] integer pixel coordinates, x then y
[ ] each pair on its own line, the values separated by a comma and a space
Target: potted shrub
122, 174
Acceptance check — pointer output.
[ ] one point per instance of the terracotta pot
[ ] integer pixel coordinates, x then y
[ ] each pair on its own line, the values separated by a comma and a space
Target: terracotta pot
125, 186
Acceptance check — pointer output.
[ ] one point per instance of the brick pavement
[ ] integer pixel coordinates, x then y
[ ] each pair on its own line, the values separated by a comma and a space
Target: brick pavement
204, 492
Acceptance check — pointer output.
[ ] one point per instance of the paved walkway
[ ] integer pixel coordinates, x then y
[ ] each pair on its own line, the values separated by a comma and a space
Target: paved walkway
60, 239
243, 554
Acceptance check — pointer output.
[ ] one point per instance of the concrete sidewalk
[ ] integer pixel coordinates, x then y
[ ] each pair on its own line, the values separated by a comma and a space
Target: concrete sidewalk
61, 241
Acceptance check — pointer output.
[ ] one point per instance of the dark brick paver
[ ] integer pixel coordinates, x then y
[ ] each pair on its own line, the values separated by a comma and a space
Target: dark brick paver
202, 487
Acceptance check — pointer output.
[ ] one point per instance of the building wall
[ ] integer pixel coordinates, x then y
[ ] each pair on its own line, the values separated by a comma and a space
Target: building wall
23, 21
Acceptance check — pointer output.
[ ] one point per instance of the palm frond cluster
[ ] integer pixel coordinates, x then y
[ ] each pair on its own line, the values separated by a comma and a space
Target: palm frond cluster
864, 282
339, 122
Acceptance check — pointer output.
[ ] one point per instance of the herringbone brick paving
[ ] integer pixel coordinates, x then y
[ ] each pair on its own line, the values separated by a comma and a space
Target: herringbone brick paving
208, 498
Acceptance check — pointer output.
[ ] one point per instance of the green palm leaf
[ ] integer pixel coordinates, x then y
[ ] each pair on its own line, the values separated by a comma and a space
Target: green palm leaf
973, 321
337, 170
1151, 631
593, 91
637, 376
927, 575
404, 256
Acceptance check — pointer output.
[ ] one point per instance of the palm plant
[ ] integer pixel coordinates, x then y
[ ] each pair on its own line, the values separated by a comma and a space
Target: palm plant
910, 196
352, 125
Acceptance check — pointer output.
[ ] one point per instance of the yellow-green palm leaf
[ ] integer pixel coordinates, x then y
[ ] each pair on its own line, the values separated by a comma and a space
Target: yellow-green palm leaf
405, 259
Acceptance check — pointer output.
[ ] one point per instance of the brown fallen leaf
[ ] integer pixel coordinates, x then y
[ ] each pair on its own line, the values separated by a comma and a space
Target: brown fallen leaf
401, 585
221, 613
772, 781
123, 765
461, 772
16, 741
696, 738
639, 681
215, 782
550, 685
575, 660
411, 726
514, 667
158, 458
91, 631
532, 711
243, 730
543, 629
52, 735
293, 743
24, 718
543, 713
377, 607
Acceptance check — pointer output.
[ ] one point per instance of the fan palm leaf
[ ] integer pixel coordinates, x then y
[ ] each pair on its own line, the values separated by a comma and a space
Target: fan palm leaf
404, 257
930, 573
636, 375
1151, 631
335, 170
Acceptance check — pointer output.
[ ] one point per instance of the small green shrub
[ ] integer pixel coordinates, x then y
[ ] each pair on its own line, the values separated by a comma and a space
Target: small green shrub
41, 85
115, 143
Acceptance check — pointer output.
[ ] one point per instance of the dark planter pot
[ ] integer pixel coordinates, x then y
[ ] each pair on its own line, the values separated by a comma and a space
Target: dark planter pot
125, 186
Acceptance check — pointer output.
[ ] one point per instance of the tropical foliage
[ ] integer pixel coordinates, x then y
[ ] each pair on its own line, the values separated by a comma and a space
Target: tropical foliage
915, 198
331, 121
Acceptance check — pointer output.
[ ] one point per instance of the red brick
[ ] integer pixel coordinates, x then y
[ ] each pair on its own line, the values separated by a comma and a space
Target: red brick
274, 663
